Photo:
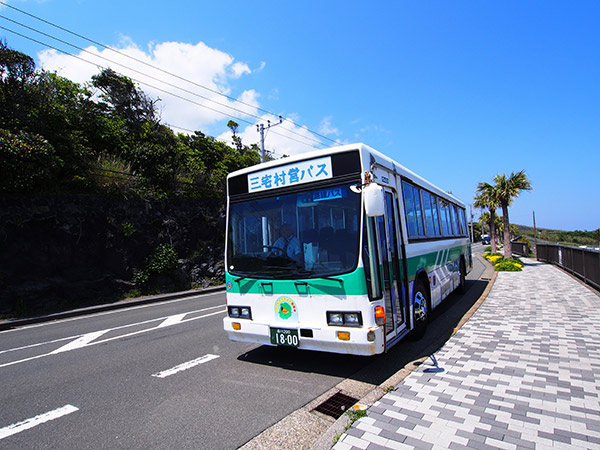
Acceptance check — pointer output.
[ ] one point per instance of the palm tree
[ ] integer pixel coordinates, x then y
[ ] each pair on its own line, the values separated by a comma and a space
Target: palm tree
506, 189
486, 198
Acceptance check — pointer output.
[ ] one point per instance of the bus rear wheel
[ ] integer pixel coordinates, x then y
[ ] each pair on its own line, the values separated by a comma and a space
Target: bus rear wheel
420, 309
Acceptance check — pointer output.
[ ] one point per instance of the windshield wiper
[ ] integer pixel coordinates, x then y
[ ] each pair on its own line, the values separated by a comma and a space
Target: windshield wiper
270, 270
312, 273
266, 270
249, 275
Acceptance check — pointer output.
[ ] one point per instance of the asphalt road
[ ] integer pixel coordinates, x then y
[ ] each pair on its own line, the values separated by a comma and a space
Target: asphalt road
165, 376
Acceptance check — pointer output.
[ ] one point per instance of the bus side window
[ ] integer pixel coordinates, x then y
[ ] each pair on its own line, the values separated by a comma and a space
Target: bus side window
370, 256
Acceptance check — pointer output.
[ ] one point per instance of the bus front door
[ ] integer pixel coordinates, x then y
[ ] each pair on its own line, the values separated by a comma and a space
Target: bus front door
393, 274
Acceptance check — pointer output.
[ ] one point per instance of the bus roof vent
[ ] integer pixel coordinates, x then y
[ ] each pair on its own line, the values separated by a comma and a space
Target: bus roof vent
336, 405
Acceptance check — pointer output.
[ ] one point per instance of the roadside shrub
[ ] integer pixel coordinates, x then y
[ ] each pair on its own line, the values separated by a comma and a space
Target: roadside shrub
494, 257
509, 265
162, 261
112, 175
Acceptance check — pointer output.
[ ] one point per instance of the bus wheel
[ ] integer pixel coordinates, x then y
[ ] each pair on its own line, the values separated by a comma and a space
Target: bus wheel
420, 310
462, 287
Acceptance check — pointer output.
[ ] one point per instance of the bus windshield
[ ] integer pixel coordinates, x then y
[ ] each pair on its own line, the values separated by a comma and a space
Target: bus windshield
308, 234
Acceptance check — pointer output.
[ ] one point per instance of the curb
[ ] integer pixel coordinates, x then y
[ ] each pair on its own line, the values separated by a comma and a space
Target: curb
14, 323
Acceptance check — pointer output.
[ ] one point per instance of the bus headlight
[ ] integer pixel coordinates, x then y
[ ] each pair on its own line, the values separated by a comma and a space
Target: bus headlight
344, 319
239, 312
352, 319
335, 318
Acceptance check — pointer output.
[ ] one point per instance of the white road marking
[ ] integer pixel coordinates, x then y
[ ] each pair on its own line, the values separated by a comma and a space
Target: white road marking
80, 342
84, 340
172, 320
185, 366
37, 420
115, 311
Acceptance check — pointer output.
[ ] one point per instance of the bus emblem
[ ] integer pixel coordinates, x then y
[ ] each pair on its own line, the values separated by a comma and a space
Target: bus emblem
285, 309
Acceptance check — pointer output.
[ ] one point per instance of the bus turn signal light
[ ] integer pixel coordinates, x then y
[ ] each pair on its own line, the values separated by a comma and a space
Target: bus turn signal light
343, 335
379, 315
236, 326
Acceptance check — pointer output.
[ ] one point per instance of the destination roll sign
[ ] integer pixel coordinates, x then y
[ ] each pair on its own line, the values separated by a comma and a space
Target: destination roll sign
291, 174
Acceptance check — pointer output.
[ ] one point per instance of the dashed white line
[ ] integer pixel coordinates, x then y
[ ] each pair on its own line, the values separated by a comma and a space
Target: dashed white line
185, 366
37, 420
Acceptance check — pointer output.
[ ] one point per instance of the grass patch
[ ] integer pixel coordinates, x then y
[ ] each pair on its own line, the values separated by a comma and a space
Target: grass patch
354, 415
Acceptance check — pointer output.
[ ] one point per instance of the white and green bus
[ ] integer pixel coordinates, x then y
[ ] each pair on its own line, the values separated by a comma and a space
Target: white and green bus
340, 250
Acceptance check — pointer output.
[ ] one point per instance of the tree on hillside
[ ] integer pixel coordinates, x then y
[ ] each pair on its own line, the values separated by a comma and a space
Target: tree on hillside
233, 126
58, 136
486, 198
17, 72
507, 189
37, 104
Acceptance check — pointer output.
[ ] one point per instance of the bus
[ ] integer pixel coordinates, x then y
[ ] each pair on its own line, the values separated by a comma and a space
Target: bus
340, 250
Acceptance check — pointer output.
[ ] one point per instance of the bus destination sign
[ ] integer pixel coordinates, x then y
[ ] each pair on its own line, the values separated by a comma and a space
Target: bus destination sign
291, 174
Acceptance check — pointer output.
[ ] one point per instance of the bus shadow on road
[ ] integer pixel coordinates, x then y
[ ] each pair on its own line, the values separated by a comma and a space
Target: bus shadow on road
375, 369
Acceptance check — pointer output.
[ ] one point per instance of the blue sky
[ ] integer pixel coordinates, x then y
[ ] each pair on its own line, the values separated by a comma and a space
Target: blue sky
456, 91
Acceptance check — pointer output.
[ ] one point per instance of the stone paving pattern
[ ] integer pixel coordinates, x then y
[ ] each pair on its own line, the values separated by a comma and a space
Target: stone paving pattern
522, 373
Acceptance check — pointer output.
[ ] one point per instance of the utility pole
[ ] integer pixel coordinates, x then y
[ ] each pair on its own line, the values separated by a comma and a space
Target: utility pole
472, 235
261, 129
534, 235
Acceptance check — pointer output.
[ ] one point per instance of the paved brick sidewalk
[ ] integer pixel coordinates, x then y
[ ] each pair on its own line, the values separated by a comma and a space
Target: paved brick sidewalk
523, 372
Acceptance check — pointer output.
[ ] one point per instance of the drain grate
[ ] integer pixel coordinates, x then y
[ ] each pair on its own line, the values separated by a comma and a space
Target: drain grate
336, 405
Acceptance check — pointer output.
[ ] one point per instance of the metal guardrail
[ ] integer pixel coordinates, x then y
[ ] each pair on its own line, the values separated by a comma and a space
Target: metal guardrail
583, 262
520, 248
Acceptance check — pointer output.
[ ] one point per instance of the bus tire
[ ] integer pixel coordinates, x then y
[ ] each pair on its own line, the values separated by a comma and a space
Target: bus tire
462, 286
421, 309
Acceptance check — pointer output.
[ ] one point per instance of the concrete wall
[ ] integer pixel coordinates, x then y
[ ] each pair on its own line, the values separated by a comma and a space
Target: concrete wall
66, 251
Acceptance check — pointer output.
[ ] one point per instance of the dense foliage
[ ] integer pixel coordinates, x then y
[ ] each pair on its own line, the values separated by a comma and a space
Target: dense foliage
104, 137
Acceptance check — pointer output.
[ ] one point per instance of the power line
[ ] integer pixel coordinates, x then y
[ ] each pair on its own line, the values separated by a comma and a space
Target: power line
166, 72
149, 76
126, 67
158, 88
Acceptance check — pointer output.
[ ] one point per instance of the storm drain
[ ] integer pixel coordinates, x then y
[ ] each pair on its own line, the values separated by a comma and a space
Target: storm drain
336, 405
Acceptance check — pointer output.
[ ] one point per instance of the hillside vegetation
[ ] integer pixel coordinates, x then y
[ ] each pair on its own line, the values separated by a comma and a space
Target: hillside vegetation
105, 137
575, 238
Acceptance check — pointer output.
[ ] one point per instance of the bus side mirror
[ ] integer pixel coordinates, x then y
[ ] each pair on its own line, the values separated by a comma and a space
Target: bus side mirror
374, 203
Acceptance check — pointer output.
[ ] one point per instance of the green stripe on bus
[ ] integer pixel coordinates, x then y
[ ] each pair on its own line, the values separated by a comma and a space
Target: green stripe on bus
351, 284
428, 261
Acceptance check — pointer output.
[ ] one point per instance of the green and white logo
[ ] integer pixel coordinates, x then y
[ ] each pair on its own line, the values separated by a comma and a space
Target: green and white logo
285, 309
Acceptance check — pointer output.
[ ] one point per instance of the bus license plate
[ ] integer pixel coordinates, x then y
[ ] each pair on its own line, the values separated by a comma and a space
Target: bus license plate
284, 336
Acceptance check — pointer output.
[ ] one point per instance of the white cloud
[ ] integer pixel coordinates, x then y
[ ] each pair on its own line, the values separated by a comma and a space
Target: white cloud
202, 65
326, 128
240, 69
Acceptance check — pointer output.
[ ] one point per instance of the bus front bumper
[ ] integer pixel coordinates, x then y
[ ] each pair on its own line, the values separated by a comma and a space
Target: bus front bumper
360, 341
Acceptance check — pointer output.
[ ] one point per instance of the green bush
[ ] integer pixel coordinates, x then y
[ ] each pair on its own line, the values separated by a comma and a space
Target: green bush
112, 175
162, 261
27, 162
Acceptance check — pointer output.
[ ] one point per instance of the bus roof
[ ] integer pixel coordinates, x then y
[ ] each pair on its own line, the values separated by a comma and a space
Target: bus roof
368, 155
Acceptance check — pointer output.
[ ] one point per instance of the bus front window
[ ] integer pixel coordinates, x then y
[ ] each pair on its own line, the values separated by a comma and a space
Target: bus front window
300, 235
